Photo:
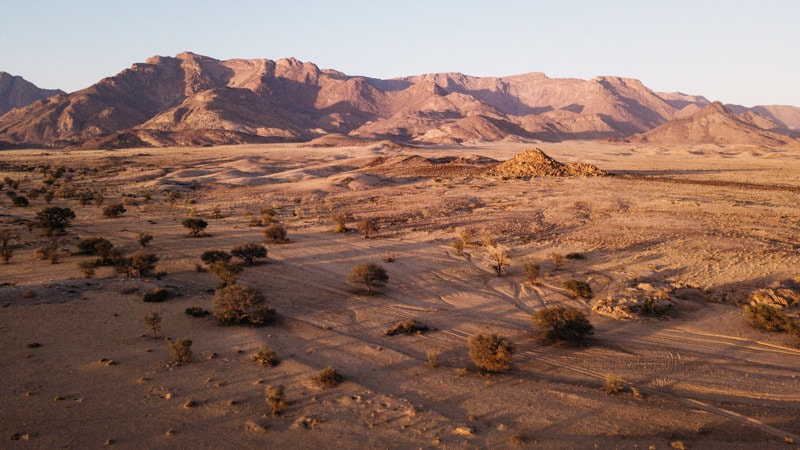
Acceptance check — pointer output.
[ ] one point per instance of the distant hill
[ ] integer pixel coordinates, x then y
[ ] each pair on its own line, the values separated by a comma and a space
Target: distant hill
192, 99
717, 124
16, 92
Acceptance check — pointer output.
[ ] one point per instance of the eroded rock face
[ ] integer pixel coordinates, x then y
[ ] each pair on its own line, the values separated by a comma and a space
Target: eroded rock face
535, 163
780, 297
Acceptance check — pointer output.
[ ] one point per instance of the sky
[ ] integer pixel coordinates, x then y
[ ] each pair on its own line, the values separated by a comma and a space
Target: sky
734, 51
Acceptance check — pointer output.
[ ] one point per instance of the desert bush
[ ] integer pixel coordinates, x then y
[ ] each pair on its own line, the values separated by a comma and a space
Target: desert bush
275, 398
488, 239
266, 357
140, 264
143, 239
340, 222
410, 326
276, 233
327, 378
612, 384
651, 307
268, 215
20, 201
390, 257
87, 268
181, 350
577, 289
6, 246
238, 304
225, 272
558, 260
98, 199
157, 295
114, 210
194, 225
248, 252
532, 272
768, 317
368, 274
564, 324
54, 219
490, 352
575, 256
498, 259
49, 251
211, 256
367, 227
458, 246
196, 311
97, 246
432, 358
153, 321
466, 234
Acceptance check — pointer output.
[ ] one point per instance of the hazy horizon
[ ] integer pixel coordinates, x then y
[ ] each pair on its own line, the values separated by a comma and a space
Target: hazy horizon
742, 53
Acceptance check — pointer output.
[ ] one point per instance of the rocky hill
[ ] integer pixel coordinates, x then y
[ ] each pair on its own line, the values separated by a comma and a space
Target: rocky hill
717, 124
191, 99
535, 163
16, 92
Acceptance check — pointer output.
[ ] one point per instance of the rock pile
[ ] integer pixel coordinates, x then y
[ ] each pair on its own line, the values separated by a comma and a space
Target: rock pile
644, 299
535, 163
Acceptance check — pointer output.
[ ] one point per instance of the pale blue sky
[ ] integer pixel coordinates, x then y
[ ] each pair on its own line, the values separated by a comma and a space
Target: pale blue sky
744, 52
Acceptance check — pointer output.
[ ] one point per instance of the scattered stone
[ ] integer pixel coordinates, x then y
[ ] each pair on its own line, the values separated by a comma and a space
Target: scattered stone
255, 427
190, 404
34, 345
109, 442
308, 423
464, 430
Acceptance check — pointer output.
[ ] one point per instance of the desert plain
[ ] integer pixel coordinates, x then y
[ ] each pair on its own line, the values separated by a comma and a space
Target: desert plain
699, 226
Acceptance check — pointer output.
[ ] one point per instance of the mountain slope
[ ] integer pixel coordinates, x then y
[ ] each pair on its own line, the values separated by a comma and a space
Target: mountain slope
16, 92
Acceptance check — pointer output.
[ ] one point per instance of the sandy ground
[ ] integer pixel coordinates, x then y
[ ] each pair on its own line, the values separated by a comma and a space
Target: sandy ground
715, 222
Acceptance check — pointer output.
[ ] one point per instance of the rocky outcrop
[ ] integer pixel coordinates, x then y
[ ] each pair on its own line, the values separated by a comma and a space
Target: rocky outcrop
535, 163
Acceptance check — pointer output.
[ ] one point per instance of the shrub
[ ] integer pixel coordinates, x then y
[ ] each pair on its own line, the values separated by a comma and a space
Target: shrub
266, 357
458, 246
769, 318
532, 272
275, 233
466, 235
54, 219
211, 256
490, 352
410, 326
140, 264
368, 274
49, 251
275, 398
575, 256
498, 259
327, 378
143, 239
432, 358
225, 272
97, 246
340, 222
612, 385
367, 227
153, 321
114, 210
577, 288
195, 225
559, 323
20, 201
237, 304
157, 295
196, 311
248, 252
558, 260
6, 247
87, 268
181, 350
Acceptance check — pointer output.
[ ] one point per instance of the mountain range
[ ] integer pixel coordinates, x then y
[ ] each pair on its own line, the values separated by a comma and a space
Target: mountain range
195, 100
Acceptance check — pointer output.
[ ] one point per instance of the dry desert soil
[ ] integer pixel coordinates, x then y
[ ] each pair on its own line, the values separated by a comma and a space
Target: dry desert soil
697, 227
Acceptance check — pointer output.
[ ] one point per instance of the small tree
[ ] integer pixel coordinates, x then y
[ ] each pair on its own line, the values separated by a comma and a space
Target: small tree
276, 233
140, 264
6, 246
559, 323
368, 274
225, 272
490, 352
54, 219
114, 210
195, 225
498, 259
87, 268
153, 321
248, 252
275, 398
367, 227
144, 239
558, 260
181, 350
466, 234
458, 246
97, 246
532, 272
211, 256
238, 304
